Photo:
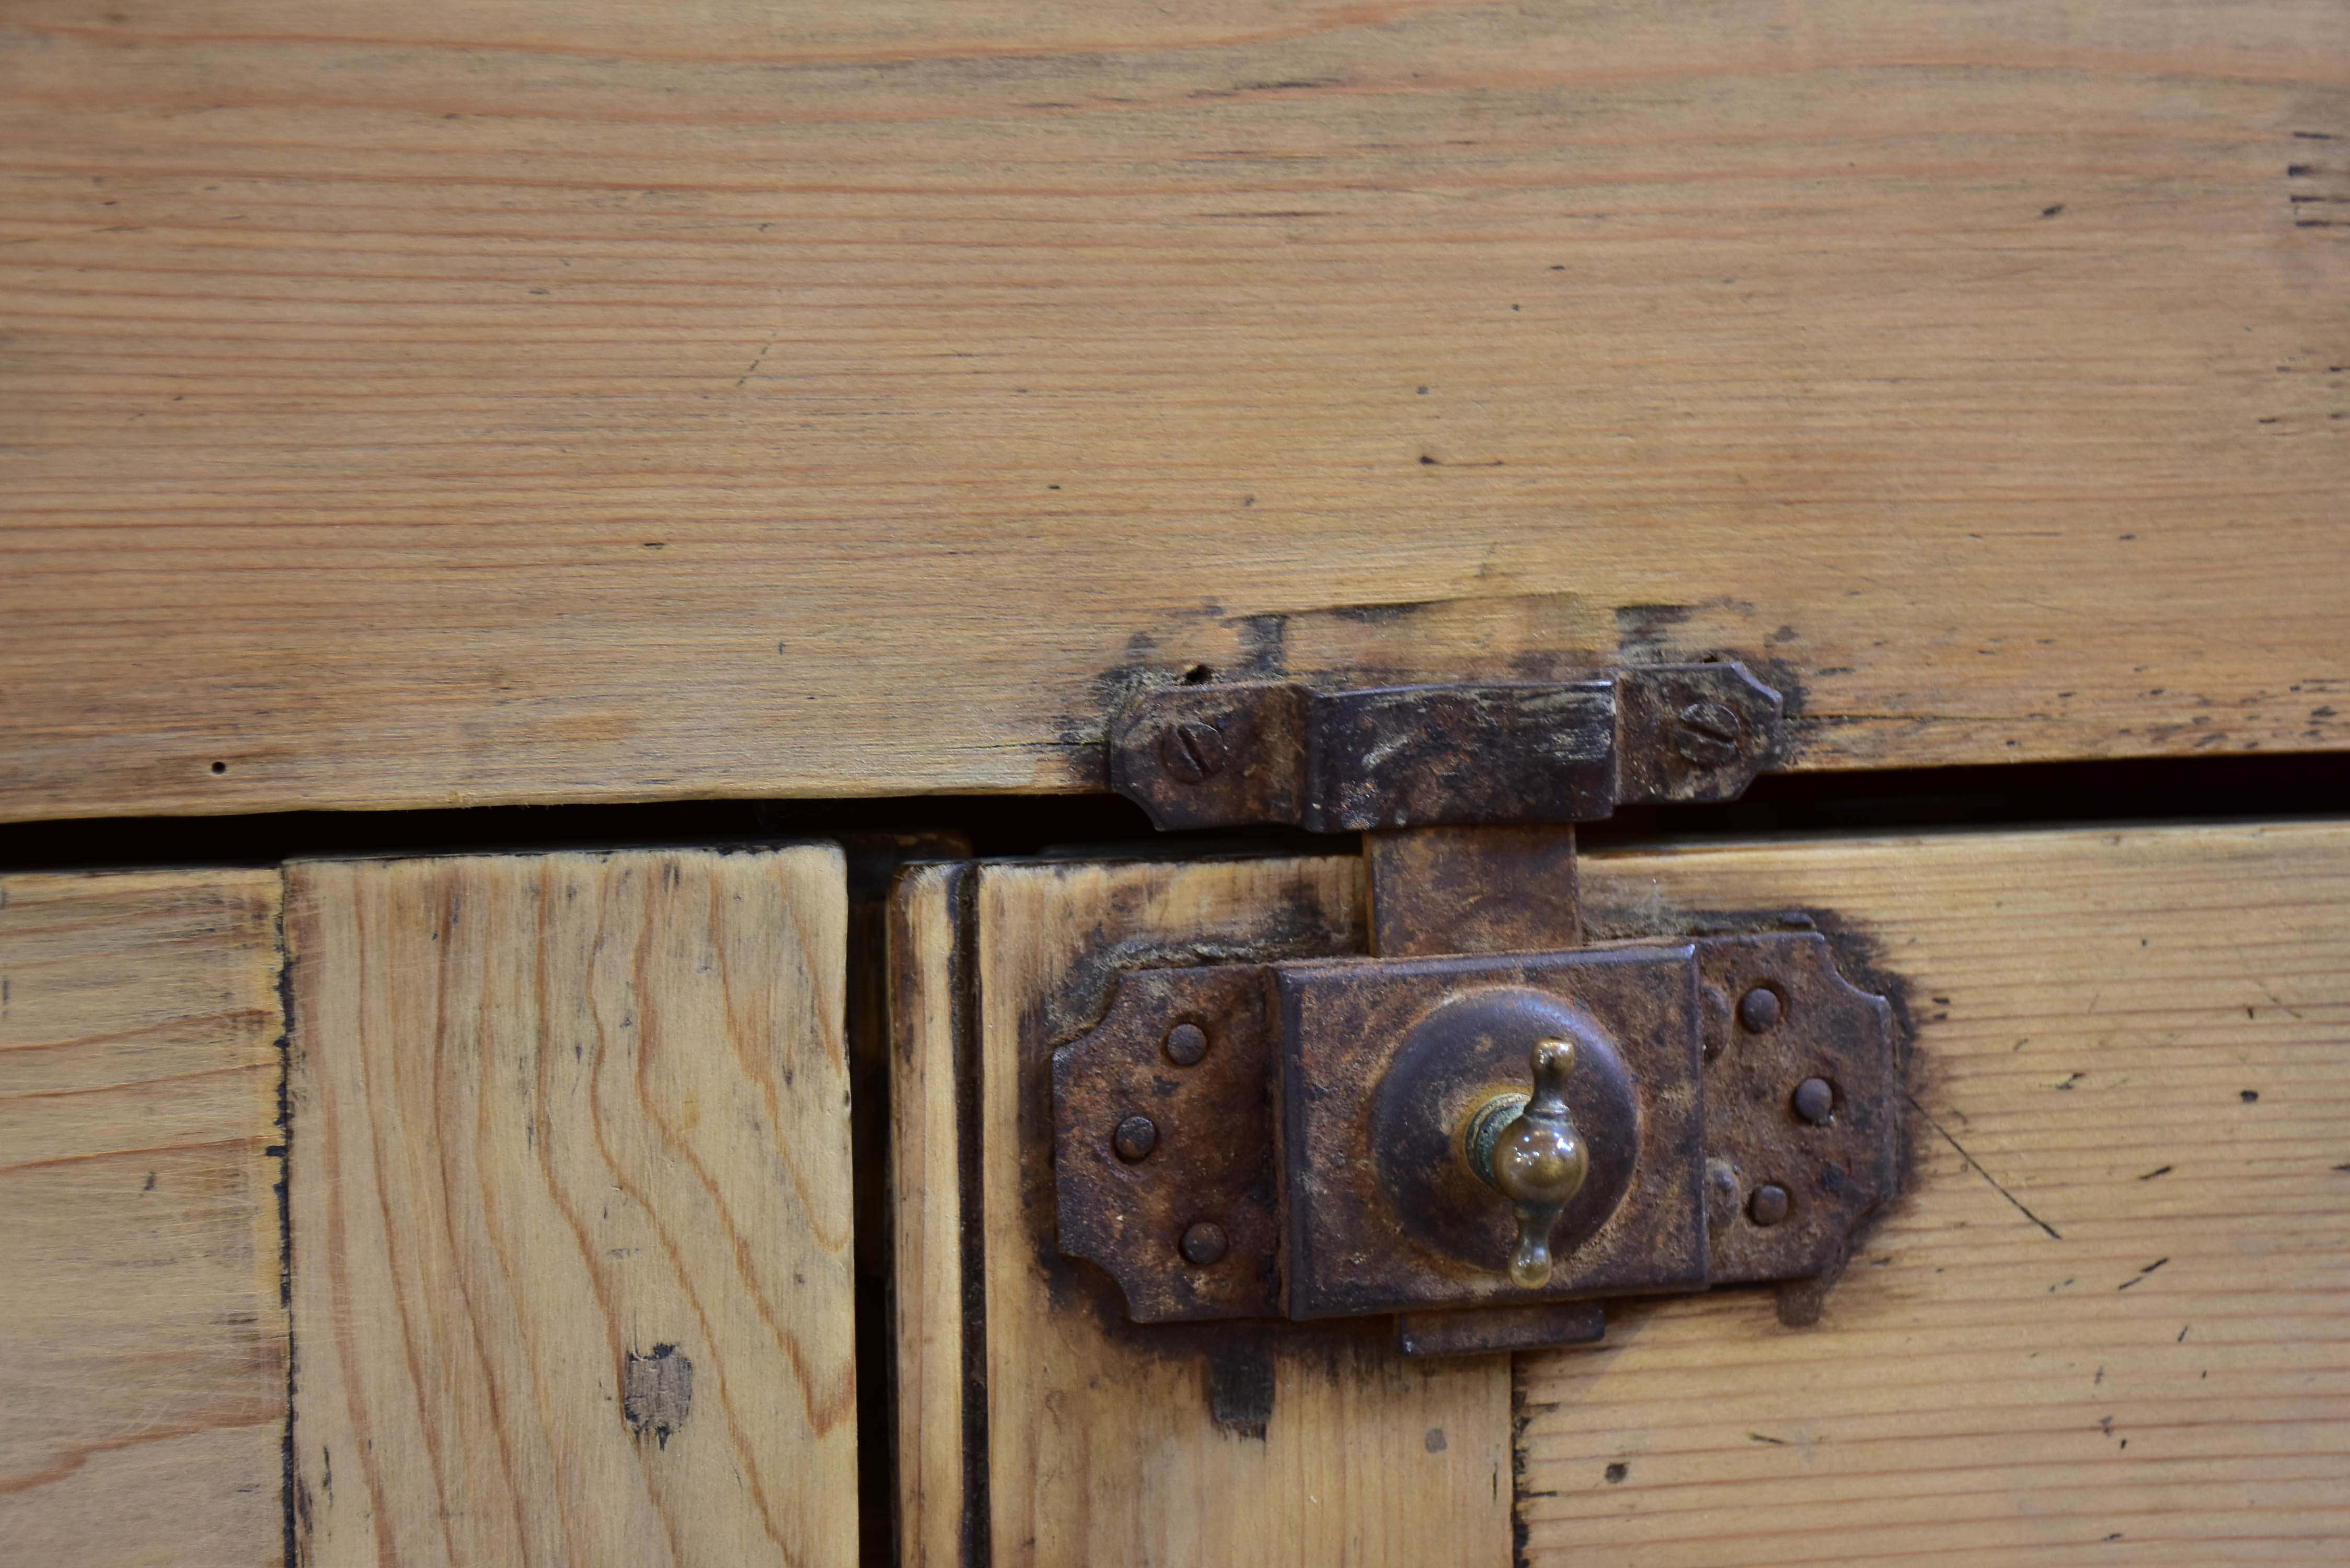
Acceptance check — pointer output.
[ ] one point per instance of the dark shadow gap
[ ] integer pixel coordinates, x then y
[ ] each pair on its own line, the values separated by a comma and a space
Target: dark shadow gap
2026, 795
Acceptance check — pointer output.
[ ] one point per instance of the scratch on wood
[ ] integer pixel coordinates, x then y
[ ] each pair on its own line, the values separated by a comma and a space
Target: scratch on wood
1978, 1171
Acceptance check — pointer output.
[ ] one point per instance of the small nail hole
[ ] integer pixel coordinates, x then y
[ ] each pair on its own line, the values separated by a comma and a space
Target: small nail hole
220, 767
1198, 675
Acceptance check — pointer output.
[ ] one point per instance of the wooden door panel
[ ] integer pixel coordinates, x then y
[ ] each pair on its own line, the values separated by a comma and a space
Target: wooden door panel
571, 1210
531, 403
936, 1254
2100, 1320
2104, 1323
143, 1387
1099, 1445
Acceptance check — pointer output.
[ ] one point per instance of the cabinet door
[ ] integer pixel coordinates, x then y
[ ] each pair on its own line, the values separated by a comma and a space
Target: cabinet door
2102, 1313
1060, 1434
2106, 1316
143, 1389
571, 1210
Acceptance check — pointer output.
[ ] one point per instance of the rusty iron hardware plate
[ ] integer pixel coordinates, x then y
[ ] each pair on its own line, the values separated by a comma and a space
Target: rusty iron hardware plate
1224, 754
1300, 1132
1211, 1159
1383, 1061
1478, 1331
1836, 1172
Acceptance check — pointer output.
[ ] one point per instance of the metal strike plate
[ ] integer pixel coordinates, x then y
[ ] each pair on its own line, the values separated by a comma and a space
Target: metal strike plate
1302, 1156
1472, 751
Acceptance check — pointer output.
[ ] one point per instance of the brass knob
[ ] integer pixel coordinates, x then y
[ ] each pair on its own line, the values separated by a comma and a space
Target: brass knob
1529, 1151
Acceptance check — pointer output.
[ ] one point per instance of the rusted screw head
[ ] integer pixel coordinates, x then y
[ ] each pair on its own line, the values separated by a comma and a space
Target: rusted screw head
1192, 749
1769, 1204
1186, 1043
1758, 1010
1134, 1138
1715, 1003
1206, 1243
1721, 1194
1707, 734
1814, 1100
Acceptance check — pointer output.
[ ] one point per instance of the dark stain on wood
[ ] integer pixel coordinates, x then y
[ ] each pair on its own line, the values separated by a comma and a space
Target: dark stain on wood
1240, 1384
658, 1392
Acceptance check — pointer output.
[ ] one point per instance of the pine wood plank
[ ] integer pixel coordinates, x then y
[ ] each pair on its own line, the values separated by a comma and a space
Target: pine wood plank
571, 1222
2106, 1323
1104, 1446
523, 402
929, 984
143, 1334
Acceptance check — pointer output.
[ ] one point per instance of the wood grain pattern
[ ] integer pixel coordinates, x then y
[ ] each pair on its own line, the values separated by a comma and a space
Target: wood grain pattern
142, 1332
506, 402
928, 1055
2105, 1325
571, 1208
1104, 1446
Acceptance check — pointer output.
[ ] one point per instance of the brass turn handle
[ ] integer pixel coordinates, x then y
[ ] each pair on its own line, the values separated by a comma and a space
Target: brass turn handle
1528, 1149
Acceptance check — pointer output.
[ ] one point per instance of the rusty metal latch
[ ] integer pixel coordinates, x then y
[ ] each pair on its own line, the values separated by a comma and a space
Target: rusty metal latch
1486, 1128
1487, 752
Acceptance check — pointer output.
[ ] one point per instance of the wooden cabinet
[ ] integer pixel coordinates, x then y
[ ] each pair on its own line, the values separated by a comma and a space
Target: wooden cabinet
846, 413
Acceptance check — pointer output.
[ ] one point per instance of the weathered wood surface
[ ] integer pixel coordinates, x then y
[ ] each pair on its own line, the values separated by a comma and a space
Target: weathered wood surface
571, 1210
142, 1332
1108, 1447
2107, 1325
929, 984
521, 403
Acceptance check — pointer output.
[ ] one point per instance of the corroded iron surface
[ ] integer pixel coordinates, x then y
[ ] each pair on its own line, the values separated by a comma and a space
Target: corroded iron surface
1303, 1155
1186, 1050
1467, 752
1384, 1062
1438, 890
1834, 1172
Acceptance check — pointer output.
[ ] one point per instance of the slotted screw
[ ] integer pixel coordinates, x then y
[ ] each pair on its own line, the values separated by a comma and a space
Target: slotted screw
1707, 733
1192, 749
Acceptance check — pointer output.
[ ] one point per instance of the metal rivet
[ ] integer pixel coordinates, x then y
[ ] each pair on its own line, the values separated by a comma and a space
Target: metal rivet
1814, 1100
1769, 1204
1134, 1138
1192, 749
1205, 1243
1707, 734
1186, 1043
1758, 1010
